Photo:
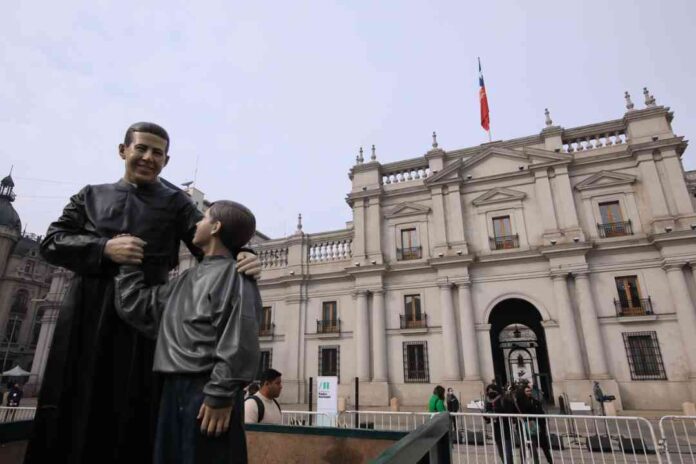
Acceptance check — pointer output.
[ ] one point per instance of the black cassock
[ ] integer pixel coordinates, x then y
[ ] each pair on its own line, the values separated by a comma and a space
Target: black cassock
99, 396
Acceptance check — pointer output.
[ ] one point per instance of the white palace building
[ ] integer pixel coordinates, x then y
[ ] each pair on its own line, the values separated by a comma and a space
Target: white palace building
564, 257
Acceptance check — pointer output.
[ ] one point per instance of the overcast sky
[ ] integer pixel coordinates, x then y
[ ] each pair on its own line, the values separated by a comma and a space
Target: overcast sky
275, 98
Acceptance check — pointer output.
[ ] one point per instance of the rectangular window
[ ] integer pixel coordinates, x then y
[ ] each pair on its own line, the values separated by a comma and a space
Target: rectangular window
329, 322
266, 361
410, 249
329, 361
413, 315
501, 226
416, 362
14, 324
29, 267
266, 327
503, 238
610, 212
328, 311
630, 302
613, 224
644, 357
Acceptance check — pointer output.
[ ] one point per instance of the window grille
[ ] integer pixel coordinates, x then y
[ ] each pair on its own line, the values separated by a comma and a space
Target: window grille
329, 361
644, 356
416, 362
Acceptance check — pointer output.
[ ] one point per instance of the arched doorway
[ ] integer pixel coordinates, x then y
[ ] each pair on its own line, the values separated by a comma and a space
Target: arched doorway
518, 344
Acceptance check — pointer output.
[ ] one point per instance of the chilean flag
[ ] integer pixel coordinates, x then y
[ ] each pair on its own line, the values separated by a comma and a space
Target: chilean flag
485, 117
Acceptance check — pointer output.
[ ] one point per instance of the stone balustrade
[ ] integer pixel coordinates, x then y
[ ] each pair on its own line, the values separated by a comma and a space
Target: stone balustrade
273, 257
595, 136
322, 250
593, 142
405, 175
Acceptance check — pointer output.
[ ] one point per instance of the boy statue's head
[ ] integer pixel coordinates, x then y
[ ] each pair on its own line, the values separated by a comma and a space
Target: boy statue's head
226, 223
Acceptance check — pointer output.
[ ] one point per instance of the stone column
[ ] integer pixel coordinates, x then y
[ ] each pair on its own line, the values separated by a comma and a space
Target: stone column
362, 336
545, 201
43, 345
358, 245
373, 230
594, 345
676, 184
450, 347
440, 225
574, 369
564, 194
379, 338
455, 219
686, 314
651, 179
470, 352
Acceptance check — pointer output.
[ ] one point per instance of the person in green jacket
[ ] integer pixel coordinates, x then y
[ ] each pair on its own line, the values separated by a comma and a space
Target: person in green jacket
437, 401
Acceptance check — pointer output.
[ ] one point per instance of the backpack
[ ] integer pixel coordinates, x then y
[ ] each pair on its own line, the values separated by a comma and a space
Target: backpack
259, 405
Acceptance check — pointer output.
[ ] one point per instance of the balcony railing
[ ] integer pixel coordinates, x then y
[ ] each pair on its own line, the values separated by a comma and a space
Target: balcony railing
404, 254
505, 242
409, 322
615, 229
266, 330
626, 308
329, 326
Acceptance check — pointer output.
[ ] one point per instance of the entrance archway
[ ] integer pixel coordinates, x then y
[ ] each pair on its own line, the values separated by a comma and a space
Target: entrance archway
518, 345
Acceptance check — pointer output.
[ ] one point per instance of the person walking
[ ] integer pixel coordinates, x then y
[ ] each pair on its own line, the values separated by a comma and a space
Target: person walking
497, 402
14, 396
536, 428
452, 401
262, 407
437, 400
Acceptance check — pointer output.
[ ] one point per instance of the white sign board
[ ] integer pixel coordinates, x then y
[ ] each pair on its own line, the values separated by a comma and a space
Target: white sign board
327, 401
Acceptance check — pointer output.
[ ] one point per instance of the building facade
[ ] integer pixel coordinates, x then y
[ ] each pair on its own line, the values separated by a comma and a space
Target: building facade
24, 284
563, 257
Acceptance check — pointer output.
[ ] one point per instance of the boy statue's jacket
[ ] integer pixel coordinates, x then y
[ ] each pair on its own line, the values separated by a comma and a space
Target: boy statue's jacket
205, 320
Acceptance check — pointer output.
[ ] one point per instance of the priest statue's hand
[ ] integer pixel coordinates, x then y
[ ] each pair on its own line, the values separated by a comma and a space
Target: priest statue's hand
249, 264
125, 249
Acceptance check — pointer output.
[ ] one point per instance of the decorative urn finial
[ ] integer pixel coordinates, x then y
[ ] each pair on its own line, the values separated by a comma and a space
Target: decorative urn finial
434, 140
373, 157
549, 122
629, 103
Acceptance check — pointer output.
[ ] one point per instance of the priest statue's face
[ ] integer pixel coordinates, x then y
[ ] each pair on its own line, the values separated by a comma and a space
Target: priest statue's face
205, 229
145, 157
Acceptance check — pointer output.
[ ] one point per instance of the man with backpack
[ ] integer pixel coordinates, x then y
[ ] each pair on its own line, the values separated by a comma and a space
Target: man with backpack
262, 408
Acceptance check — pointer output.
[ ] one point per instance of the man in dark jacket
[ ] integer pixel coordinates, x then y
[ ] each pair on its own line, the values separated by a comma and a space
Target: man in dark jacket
498, 402
96, 401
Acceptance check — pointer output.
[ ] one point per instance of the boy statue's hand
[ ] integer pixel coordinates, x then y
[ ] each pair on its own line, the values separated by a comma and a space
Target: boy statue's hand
215, 421
249, 264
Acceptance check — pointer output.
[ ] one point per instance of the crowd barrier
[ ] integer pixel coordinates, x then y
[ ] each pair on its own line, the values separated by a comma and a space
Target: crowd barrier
516, 438
383, 420
678, 438
519, 438
16, 414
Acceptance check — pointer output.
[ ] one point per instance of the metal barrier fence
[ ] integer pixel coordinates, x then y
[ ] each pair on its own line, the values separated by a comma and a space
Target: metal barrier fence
16, 414
518, 438
678, 438
308, 419
429, 443
384, 420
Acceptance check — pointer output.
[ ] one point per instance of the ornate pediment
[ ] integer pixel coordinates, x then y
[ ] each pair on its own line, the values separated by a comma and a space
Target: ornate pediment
605, 179
496, 161
498, 195
407, 209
